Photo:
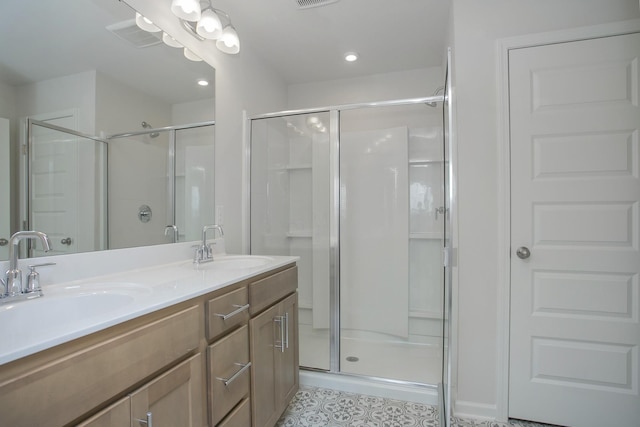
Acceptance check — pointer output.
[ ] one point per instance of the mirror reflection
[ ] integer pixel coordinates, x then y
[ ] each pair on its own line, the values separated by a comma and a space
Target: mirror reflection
114, 121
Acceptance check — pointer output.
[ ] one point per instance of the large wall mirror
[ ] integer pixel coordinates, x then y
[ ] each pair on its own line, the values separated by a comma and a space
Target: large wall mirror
106, 137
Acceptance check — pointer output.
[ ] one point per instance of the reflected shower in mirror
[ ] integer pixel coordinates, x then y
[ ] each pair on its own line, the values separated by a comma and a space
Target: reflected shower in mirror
89, 69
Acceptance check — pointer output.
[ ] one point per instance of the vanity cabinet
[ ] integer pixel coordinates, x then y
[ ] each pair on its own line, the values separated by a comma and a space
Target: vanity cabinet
201, 362
172, 399
274, 346
58, 386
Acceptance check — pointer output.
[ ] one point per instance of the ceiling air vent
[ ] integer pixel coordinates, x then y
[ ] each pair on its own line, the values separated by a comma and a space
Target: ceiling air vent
130, 32
306, 4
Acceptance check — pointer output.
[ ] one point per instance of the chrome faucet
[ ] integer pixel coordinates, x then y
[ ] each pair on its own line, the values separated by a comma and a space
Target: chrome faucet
12, 284
204, 253
172, 229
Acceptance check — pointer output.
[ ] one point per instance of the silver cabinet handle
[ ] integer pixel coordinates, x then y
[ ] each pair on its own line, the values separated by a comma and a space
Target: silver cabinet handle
148, 421
286, 329
280, 320
66, 241
240, 309
523, 252
243, 368
3, 242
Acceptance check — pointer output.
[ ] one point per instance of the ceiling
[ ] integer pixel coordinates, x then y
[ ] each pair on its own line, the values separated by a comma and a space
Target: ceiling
306, 45
56, 38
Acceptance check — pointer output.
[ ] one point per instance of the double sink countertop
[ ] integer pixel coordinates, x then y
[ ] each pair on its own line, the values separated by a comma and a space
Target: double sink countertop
79, 307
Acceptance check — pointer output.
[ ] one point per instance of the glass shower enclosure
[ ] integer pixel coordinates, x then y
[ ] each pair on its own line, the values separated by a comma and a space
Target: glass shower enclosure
358, 193
89, 193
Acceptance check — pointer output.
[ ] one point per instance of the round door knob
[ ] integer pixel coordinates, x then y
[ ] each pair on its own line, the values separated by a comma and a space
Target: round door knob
523, 252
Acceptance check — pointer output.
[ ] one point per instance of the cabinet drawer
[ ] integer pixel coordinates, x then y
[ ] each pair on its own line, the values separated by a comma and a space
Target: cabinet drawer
73, 385
229, 372
227, 311
267, 291
239, 417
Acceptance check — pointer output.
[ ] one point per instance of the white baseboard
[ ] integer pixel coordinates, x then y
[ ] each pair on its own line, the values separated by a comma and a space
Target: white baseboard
475, 410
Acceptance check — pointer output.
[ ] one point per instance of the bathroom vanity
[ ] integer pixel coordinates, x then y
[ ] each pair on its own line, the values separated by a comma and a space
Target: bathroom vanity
214, 344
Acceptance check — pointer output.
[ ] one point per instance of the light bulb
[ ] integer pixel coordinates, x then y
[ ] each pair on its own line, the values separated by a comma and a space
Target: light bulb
229, 41
209, 25
191, 56
351, 57
189, 10
170, 41
145, 24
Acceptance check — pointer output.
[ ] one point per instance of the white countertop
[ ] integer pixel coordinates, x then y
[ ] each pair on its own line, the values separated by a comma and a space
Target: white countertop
83, 306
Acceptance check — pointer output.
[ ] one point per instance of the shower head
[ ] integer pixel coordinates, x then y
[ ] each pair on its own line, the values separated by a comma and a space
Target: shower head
437, 91
148, 126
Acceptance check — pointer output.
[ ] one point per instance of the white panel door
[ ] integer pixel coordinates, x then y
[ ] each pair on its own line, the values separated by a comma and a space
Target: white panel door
575, 331
54, 185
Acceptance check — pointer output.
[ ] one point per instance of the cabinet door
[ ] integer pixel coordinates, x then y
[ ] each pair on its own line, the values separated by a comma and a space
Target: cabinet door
264, 402
118, 414
287, 360
173, 399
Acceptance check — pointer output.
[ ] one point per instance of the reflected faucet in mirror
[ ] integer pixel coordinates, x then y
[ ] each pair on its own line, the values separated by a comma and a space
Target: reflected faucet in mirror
173, 229
13, 289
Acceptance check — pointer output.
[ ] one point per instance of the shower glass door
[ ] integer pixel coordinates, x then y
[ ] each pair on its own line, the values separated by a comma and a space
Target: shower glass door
290, 214
391, 221
357, 194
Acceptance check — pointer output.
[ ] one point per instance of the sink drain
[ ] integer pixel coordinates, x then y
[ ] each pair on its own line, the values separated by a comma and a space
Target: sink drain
352, 359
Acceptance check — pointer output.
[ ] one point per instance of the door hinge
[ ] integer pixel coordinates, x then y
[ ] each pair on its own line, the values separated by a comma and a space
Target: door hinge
449, 257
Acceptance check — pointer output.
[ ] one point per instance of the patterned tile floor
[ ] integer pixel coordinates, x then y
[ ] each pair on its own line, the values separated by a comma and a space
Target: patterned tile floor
321, 407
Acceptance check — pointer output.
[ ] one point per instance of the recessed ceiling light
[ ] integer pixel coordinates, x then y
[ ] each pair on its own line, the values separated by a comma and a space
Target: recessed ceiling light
350, 56
203, 82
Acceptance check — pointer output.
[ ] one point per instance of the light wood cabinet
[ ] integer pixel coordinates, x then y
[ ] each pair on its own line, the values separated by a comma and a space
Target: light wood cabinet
201, 362
229, 369
172, 399
274, 354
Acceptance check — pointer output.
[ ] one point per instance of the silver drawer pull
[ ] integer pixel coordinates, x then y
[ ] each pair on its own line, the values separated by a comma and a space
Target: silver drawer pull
148, 421
280, 320
286, 329
240, 309
228, 381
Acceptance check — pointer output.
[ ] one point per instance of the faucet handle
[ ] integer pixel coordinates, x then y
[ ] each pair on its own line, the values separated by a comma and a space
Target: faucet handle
33, 278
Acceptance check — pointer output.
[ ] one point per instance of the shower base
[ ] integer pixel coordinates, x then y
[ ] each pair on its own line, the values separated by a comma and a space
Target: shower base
366, 361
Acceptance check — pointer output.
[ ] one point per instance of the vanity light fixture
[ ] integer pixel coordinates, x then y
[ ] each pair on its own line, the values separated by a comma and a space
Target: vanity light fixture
204, 22
351, 56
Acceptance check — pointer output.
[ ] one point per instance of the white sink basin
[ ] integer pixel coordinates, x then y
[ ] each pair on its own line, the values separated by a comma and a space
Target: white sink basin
235, 262
63, 309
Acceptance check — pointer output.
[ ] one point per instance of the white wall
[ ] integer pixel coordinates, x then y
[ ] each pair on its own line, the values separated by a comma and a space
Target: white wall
59, 94
193, 112
376, 87
477, 27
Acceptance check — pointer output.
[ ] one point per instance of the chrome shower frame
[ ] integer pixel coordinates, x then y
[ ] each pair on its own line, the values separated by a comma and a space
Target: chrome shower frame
440, 389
